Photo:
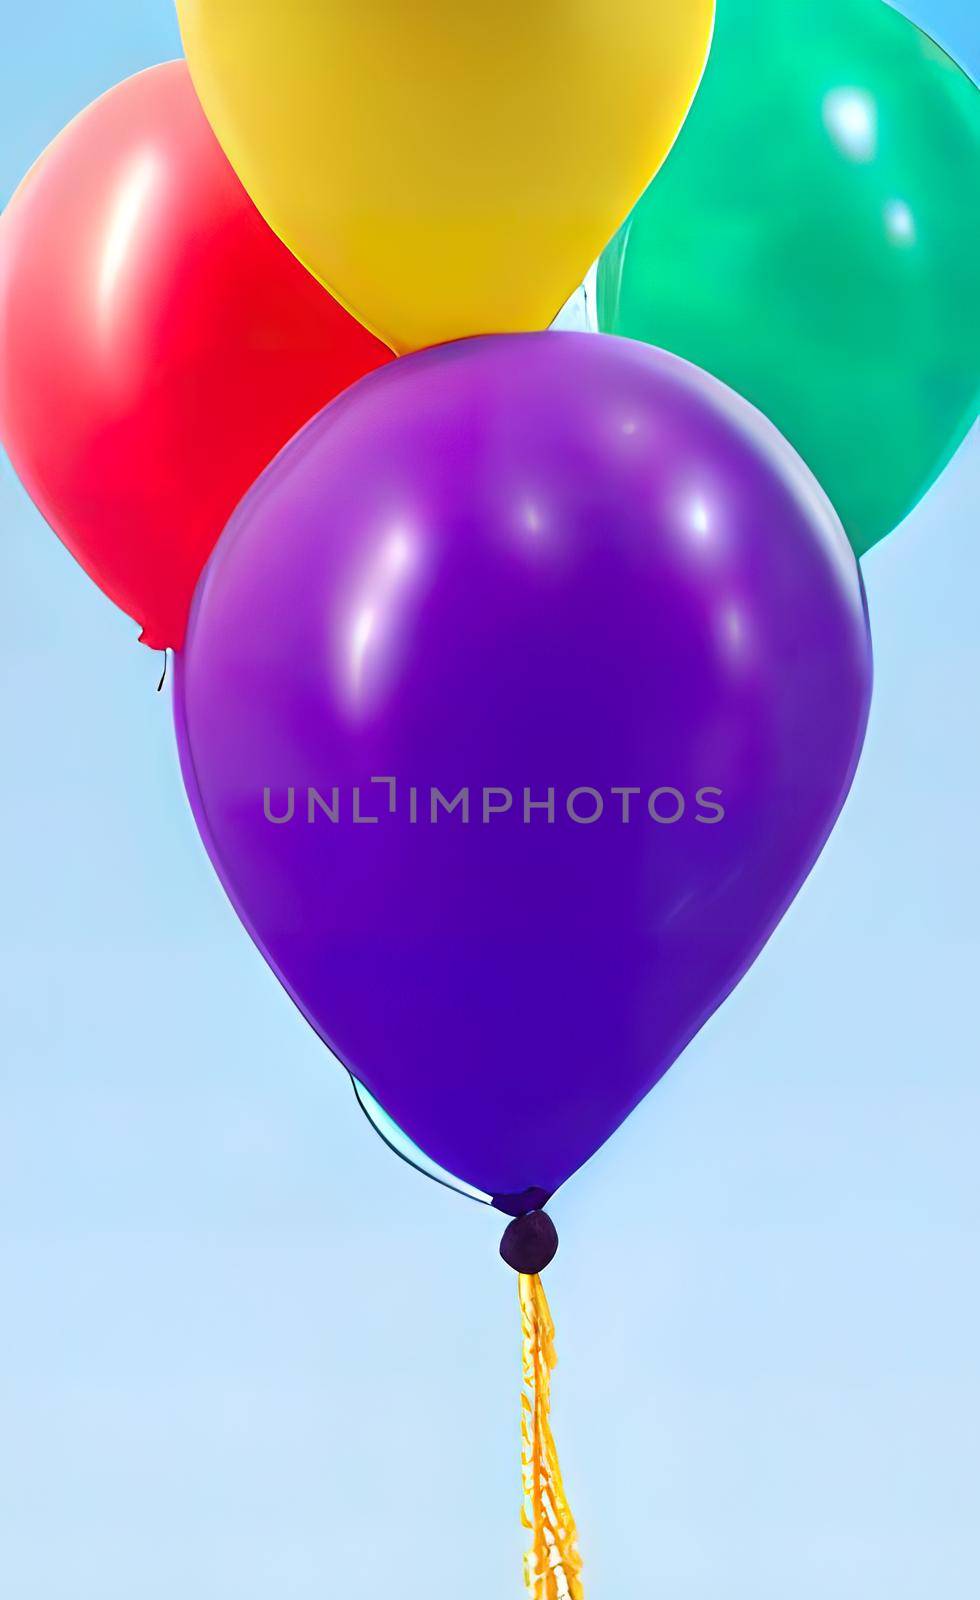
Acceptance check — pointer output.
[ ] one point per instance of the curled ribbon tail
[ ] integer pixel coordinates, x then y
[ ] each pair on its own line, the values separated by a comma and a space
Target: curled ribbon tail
552, 1566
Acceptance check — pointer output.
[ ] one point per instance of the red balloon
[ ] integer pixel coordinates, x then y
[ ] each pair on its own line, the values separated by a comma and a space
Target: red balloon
158, 344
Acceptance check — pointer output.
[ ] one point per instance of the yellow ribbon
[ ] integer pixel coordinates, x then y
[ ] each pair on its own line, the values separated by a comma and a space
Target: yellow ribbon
552, 1566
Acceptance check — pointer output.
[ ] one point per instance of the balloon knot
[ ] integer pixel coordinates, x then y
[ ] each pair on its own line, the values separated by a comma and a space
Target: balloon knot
530, 1243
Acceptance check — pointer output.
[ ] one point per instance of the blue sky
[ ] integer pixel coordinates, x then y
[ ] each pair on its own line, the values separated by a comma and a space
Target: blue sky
244, 1352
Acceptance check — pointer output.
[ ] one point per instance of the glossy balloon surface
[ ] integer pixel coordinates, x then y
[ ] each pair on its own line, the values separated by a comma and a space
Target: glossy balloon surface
814, 241
158, 344
446, 168
556, 562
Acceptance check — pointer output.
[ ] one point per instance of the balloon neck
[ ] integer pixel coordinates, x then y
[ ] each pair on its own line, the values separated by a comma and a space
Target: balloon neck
518, 1205
161, 637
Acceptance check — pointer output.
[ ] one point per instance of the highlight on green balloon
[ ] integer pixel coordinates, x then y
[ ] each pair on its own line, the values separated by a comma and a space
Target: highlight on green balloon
814, 241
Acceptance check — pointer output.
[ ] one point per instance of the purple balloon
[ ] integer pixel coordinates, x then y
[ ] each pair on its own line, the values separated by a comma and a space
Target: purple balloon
519, 697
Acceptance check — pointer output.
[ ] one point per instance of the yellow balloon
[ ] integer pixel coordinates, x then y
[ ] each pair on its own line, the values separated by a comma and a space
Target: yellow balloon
446, 167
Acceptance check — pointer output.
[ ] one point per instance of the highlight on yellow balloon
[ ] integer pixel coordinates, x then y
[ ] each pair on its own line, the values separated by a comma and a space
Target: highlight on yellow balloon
446, 167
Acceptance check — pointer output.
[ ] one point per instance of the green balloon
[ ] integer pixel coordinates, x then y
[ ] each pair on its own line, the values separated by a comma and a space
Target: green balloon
814, 241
